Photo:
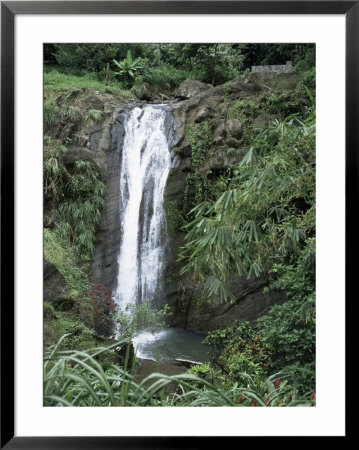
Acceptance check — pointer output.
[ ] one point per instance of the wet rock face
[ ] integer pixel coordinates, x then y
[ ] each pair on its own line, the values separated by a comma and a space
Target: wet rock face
104, 265
201, 103
101, 144
204, 316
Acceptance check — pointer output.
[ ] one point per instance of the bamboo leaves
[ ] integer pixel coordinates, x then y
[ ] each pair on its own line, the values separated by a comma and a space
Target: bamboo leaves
79, 194
265, 214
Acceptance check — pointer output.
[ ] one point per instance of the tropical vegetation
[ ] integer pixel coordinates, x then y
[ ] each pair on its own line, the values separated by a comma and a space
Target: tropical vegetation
254, 219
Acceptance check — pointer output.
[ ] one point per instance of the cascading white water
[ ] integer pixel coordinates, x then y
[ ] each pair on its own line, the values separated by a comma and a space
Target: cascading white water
145, 166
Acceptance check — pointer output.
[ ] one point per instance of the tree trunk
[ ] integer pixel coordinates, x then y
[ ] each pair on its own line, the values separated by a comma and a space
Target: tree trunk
107, 73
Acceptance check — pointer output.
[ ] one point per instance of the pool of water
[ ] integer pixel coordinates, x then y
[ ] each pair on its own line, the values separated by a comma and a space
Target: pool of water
169, 344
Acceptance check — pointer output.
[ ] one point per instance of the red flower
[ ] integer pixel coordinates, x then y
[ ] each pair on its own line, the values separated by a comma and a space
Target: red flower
240, 399
277, 384
290, 397
281, 403
313, 396
267, 398
254, 403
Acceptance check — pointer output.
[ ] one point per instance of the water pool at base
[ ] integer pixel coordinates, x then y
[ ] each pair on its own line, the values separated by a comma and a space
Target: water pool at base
169, 344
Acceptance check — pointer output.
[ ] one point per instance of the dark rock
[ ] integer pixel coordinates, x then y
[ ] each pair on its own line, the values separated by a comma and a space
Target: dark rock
189, 87
147, 92
234, 128
148, 367
49, 205
74, 154
56, 291
203, 315
261, 119
219, 134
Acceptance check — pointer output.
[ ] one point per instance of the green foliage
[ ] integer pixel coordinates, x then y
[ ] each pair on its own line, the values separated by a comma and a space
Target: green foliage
206, 372
97, 309
80, 337
287, 330
128, 66
137, 88
165, 77
241, 108
283, 340
94, 115
62, 255
90, 57
308, 82
53, 168
223, 181
239, 350
142, 317
71, 112
200, 138
302, 55
55, 81
78, 193
175, 219
51, 110
78, 215
282, 105
218, 62
268, 212
77, 378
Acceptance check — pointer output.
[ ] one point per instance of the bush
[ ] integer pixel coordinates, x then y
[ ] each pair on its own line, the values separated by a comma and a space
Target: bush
142, 317
165, 77
96, 308
76, 378
289, 334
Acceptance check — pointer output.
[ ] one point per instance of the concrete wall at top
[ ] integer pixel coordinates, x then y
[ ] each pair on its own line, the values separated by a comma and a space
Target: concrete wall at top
287, 67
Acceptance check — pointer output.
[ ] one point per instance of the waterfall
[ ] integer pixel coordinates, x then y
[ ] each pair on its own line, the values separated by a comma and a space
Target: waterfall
146, 162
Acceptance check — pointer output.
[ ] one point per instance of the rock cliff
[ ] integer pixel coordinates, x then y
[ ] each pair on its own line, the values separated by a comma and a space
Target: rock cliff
211, 113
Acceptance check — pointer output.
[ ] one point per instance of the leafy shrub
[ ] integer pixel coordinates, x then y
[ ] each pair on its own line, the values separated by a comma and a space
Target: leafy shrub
200, 138
78, 214
267, 212
76, 378
239, 350
128, 67
53, 168
286, 330
96, 308
241, 108
62, 255
71, 112
51, 111
175, 219
142, 317
206, 372
282, 105
165, 77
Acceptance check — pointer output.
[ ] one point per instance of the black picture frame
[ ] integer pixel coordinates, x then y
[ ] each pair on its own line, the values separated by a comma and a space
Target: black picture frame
9, 9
